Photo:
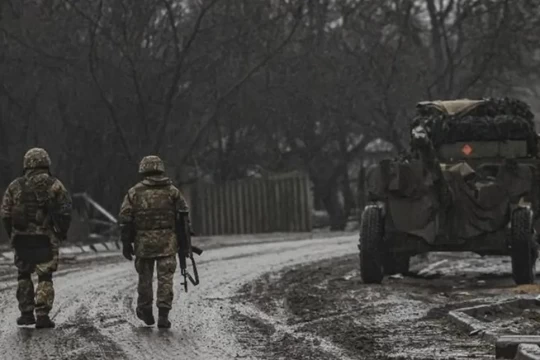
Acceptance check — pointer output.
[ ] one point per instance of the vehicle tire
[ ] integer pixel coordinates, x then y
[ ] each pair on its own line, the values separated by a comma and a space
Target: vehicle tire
371, 242
396, 264
523, 251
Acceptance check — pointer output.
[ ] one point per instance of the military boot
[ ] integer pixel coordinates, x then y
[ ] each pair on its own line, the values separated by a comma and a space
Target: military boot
26, 318
146, 316
163, 319
44, 322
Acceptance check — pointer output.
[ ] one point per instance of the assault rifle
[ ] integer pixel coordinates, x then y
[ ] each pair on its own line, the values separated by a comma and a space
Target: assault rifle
185, 249
58, 219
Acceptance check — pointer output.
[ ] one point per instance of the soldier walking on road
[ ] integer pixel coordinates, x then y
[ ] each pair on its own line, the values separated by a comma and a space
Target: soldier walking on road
36, 213
147, 220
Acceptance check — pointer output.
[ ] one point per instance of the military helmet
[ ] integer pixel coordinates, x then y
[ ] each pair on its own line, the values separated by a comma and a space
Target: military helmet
151, 164
36, 158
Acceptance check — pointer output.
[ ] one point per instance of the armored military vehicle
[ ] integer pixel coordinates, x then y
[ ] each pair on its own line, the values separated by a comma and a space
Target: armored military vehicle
470, 182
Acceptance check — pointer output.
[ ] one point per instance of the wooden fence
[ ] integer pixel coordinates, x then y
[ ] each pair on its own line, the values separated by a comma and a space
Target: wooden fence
274, 204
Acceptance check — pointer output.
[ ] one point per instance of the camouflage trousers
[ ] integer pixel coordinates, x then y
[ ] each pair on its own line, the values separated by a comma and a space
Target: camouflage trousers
166, 267
41, 300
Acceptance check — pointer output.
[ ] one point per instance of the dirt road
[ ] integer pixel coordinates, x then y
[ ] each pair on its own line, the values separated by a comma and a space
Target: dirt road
298, 300
94, 308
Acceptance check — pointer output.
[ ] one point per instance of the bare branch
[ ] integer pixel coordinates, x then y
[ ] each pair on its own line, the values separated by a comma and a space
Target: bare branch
92, 56
181, 55
35, 49
235, 87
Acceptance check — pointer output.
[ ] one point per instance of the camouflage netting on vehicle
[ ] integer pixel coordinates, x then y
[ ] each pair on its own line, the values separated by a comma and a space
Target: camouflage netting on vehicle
487, 107
484, 120
483, 128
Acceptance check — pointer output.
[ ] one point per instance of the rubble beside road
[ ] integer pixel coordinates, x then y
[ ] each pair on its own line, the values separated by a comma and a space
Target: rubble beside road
324, 311
515, 316
518, 347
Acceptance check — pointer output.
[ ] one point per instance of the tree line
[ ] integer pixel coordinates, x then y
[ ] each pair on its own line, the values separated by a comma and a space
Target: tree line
224, 90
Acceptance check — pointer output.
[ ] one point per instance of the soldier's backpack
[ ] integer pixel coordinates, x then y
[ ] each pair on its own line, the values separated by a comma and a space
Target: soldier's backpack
33, 208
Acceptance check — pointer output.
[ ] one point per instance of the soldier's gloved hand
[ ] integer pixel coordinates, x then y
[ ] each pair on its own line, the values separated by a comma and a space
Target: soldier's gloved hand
127, 251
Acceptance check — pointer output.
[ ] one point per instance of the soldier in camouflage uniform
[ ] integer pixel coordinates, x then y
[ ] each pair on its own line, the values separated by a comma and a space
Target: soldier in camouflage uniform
147, 220
36, 208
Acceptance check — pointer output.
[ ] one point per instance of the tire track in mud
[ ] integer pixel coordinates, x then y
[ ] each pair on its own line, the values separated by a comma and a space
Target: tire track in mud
277, 330
94, 308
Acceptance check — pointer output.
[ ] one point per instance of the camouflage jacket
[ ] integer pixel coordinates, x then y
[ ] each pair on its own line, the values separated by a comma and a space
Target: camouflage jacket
28, 194
149, 207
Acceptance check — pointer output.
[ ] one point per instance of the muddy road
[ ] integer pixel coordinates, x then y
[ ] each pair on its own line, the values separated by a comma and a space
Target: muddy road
94, 307
285, 300
323, 311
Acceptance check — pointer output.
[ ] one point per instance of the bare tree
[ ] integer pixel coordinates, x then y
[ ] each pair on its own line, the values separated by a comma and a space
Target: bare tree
228, 89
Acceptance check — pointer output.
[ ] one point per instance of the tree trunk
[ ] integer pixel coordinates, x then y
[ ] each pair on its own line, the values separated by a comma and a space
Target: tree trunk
336, 212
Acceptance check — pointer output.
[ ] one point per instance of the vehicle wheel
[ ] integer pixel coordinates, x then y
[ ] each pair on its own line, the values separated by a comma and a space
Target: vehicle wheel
371, 241
523, 251
396, 264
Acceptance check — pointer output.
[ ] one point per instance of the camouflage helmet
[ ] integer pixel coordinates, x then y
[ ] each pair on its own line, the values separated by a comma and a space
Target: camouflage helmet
151, 164
36, 158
